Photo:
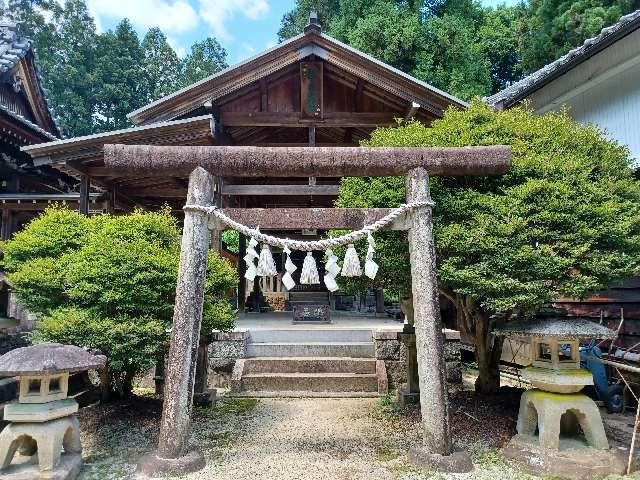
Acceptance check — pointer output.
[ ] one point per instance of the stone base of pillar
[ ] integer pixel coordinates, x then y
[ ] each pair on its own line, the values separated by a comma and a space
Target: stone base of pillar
457, 462
574, 460
205, 399
405, 397
23, 469
153, 466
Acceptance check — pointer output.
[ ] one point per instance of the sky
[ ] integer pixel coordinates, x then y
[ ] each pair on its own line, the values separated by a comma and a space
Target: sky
243, 27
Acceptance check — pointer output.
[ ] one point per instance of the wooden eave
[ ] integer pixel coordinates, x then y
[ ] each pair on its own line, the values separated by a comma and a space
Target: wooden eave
311, 43
35, 95
74, 154
18, 131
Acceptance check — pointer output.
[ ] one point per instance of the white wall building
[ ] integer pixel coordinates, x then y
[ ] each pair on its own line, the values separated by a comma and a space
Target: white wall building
599, 82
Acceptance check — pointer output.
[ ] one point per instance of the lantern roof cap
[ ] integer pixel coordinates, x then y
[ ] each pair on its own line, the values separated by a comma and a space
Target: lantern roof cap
569, 328
49, 358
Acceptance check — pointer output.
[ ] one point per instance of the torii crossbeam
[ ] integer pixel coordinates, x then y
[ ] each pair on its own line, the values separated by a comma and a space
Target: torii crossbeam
173, 454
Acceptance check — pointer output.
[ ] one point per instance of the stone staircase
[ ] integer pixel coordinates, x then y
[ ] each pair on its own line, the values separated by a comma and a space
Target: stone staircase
314, 362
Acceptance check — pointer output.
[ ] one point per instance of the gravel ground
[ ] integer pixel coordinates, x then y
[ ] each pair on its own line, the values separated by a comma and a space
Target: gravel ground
310, 439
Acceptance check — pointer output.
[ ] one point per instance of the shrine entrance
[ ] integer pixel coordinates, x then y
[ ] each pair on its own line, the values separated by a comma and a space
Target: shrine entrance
174, 454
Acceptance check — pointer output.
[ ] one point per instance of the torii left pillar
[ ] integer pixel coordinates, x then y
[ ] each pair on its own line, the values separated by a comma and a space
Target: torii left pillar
174, 455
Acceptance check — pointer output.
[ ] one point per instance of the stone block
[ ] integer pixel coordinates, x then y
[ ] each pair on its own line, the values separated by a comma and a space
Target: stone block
451, 350
68, 469
388, 349
40, 412
396, 373
230, 349
573, 461
454, 372
385, 335
233, 336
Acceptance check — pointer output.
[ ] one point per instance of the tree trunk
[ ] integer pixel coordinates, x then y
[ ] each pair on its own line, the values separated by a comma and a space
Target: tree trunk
488, 353
105, 384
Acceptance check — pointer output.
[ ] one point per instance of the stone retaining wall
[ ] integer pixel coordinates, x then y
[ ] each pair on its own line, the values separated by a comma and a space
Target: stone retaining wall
394, 354
225, 348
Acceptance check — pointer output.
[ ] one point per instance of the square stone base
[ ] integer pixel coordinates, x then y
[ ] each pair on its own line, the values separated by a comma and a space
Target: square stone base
24, 468
574, 459
407, 398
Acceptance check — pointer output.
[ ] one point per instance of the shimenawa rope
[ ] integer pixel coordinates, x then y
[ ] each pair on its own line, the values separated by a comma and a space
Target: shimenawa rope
308, 246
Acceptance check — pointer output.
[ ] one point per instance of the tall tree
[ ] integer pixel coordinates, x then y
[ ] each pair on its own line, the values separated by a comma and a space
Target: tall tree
295, 20
453, 59
205, 58
69, 78
554, 27
457, 45
161, 64
121, 81
390, 32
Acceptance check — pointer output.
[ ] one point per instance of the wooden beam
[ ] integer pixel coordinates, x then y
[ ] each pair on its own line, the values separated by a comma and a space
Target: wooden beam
412, 110
85, 186
264, 99
239, 161
296, 120
280, 190
314, 218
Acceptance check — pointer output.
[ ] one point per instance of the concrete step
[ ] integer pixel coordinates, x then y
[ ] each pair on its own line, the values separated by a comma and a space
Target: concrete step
311, 349
310, 335
310, 382
309, 365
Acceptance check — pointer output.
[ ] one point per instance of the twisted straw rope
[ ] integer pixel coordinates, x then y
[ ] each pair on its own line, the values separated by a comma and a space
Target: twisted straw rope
308, 246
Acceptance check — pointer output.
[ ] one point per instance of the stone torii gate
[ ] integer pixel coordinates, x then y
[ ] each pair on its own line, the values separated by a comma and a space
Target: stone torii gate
208, 162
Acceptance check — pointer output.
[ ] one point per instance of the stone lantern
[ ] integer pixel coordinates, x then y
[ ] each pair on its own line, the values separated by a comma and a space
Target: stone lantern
559, 429
43, 421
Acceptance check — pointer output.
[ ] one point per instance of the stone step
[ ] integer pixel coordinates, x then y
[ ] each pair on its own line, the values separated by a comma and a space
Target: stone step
311, 349
304, 394
309, 365
310, 382
310, 335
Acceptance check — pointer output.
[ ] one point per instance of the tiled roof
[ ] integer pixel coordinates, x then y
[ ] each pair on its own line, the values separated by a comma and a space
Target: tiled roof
13, 46
590, 47
28, 123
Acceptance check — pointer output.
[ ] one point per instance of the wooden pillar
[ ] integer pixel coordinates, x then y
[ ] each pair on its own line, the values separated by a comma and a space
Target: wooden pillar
111, 201
187, 318
85, 184
379, 300
242, 285
428, 325
7, 224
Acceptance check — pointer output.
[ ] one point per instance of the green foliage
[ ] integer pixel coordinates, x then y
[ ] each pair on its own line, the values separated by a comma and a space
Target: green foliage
563, 221
40, 283
553, 28
52, 235
93, 80
131, 344
120, 77
205, 58
161, 63
217, 312
457, 45
231, 240
113, 270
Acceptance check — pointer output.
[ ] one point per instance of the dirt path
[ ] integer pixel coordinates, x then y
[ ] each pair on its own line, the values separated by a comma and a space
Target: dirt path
305, 439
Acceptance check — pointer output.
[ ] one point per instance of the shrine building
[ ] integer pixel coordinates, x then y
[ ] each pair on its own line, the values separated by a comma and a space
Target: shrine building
311, 90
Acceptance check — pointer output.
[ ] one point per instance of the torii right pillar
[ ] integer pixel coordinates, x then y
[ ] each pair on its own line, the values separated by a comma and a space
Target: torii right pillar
436, 452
